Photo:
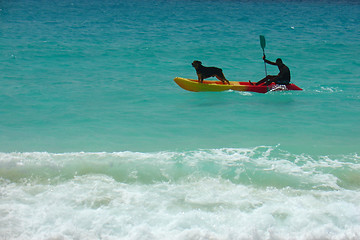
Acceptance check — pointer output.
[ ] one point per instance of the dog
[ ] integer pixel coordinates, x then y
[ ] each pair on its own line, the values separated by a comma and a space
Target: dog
206, 72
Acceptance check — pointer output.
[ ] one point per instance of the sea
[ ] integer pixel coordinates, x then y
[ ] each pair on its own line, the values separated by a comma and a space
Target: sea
98, 142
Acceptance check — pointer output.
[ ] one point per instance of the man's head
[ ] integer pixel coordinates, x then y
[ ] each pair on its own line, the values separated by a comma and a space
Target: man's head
279, 62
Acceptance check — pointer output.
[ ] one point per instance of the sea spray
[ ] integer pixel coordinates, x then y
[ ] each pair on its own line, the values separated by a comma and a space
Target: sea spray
263, 192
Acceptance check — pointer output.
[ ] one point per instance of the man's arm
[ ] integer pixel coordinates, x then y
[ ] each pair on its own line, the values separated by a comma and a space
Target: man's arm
268, 62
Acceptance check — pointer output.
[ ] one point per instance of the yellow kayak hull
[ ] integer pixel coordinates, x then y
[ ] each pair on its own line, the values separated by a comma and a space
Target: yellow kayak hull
209, 86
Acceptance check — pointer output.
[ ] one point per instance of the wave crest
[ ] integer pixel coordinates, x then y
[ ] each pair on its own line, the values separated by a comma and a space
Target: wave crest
263, 166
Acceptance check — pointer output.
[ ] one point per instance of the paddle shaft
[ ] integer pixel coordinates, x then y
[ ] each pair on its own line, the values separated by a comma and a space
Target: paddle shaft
265, 63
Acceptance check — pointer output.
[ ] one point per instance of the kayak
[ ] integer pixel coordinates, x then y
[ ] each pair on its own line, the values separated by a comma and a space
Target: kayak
217, 86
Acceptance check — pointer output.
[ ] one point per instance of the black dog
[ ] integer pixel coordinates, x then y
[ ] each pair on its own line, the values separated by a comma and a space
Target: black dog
206, 72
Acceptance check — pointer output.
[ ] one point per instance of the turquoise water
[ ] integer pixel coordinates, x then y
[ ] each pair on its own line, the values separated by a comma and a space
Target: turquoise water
98, 142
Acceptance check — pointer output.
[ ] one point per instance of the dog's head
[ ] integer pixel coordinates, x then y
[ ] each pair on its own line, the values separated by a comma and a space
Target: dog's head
196, 64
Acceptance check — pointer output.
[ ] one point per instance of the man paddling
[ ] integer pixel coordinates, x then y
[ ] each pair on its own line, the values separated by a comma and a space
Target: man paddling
283, 78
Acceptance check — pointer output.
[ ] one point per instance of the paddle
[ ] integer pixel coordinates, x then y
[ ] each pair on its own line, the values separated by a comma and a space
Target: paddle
263, 44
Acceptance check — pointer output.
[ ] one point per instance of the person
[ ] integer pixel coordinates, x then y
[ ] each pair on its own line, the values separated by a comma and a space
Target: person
283, 78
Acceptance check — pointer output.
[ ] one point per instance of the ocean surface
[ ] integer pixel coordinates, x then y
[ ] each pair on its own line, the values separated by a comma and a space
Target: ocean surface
98, 142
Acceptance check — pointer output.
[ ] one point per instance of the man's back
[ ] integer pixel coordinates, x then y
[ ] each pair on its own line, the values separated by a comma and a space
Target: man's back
284, 74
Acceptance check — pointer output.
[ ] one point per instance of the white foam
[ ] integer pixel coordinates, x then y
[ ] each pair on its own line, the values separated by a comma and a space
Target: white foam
230, 193
97, 207
329, 90
244, 93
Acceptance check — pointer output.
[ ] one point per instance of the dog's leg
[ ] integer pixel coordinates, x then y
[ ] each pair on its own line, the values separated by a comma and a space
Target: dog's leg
222, 79
227, 81
200, 78
223, 76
